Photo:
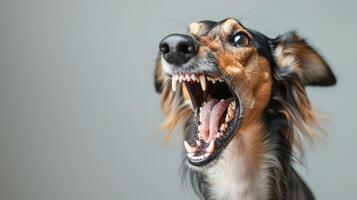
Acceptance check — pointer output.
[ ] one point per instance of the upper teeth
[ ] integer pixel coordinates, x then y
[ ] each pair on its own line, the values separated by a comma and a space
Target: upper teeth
187, 77
214, 80
174, 83
203, 82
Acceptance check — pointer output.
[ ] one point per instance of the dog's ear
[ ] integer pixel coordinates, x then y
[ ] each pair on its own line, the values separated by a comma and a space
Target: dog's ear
292, 53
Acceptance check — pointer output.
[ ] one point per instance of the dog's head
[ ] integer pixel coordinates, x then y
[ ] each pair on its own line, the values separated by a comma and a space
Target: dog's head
221, 77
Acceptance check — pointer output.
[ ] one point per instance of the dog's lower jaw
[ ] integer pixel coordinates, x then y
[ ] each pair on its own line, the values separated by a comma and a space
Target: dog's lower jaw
242, 171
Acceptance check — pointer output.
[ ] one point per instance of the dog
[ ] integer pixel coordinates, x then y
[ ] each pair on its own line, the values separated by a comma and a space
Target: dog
241, 99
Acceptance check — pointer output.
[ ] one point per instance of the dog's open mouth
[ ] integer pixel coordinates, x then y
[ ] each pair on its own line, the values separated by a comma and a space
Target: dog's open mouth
216, 117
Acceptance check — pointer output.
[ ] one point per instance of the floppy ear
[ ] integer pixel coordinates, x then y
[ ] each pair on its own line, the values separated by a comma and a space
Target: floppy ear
294, 54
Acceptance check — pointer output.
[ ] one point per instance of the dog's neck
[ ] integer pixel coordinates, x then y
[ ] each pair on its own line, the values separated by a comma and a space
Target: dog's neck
242, 172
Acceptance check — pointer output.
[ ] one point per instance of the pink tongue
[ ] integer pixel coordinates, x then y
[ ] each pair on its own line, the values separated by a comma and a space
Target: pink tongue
210, 116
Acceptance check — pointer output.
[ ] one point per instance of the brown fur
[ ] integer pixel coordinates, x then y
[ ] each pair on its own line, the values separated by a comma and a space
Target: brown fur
264, 90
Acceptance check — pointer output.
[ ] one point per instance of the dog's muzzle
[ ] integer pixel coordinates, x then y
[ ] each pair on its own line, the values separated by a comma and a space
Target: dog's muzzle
177, 49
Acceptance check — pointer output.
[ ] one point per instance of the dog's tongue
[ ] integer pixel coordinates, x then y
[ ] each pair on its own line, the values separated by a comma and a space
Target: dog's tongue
210, 116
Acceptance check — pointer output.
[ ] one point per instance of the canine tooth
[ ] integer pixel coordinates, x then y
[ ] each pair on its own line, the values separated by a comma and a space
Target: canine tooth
174, 83
233, 104
203, 82
230, 110
210, 147
206, 155
188, 147
229, 117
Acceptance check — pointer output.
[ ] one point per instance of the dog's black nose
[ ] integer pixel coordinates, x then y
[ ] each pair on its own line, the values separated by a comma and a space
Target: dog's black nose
177, 49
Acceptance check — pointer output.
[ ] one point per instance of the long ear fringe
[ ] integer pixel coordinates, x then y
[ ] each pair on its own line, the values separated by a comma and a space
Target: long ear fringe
290, 102
291, 50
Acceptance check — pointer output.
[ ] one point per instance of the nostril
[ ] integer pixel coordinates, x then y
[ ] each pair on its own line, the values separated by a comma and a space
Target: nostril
164, 48
177, 49
185, 48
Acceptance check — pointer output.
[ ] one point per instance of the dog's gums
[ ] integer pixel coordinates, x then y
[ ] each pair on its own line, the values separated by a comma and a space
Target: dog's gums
208, 76
217, 114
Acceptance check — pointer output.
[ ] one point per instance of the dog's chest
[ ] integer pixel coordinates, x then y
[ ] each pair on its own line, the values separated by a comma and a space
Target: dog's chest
231, 178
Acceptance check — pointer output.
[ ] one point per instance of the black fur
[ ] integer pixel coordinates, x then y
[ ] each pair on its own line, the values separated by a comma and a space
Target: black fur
287, 184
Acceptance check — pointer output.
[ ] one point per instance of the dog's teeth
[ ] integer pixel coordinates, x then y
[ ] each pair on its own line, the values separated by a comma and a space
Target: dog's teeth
210, 147
174, 83
223, 127
190, 155
193, 77
188, 77
229, 117
231, 108
233, 105
213, 80
188, 147
180, 78
203, 82
206, 155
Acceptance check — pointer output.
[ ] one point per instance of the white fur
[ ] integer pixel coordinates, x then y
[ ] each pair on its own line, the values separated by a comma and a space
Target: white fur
201, 65
232, 178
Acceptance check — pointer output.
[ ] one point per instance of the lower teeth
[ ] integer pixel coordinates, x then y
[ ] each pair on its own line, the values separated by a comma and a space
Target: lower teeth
202, 144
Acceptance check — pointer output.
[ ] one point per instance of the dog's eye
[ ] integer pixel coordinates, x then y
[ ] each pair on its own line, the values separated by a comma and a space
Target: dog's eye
240, 39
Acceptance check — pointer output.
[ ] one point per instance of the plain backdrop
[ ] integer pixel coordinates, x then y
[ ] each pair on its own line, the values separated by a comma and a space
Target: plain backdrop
79, 116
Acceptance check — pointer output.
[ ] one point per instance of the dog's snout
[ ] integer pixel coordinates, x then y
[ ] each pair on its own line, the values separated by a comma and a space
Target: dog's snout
177, 49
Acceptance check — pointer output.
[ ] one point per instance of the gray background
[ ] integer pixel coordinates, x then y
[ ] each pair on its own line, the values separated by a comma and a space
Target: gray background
78, 112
